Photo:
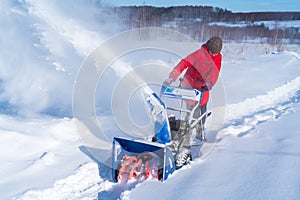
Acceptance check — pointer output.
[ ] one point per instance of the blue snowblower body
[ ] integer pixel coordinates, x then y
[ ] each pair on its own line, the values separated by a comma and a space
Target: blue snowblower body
136, 159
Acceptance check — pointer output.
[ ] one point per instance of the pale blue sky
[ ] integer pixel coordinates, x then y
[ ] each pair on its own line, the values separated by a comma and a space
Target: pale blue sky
233, 5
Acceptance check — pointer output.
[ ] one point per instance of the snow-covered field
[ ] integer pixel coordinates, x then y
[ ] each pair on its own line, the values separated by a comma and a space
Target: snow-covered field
270, 24
257, 155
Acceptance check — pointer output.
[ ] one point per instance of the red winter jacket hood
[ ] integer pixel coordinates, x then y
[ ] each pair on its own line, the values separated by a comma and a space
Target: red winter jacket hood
202, 70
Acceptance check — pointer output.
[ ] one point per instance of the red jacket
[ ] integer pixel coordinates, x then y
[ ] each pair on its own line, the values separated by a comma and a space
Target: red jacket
202, 70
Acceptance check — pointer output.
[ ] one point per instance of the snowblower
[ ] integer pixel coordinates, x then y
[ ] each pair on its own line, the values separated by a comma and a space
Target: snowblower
137, 160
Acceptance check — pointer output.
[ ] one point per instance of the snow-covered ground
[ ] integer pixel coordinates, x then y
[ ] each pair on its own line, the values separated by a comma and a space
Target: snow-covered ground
257, 155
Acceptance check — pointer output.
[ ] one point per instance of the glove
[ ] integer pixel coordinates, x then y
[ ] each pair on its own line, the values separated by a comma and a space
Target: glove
204, 88
168, 81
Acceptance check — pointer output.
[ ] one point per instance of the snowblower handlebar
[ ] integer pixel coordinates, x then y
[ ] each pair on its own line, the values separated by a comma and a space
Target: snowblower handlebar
181, 93
186, 94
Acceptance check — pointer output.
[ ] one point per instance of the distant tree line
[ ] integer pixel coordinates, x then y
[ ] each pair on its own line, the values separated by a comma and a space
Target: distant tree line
196, 21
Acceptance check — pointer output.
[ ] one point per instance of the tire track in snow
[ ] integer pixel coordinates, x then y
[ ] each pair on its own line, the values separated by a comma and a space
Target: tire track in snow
245, 116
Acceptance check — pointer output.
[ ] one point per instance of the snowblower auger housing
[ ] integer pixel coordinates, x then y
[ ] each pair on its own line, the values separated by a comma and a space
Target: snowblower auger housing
147, 160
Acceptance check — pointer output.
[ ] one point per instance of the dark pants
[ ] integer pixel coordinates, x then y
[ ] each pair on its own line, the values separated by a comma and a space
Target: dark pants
200, 110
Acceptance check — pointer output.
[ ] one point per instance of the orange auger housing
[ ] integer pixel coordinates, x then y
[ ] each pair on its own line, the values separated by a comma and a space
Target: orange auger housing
140, 168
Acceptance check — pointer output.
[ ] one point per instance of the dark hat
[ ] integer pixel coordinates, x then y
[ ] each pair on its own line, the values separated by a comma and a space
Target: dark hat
214, 44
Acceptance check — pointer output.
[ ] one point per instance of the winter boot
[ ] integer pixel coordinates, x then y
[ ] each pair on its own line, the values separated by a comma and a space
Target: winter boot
183, 157
200, 134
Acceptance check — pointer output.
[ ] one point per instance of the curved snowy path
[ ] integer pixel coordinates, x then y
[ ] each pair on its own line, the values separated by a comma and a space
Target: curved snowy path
253, 111
234, 166
266, 169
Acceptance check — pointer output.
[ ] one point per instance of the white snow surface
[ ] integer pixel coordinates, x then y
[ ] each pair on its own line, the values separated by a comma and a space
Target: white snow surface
257, 155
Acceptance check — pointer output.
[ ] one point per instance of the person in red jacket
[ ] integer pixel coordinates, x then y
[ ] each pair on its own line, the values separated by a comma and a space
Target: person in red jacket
202, 71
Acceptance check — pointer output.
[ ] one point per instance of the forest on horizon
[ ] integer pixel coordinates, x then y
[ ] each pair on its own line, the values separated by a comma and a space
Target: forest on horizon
200, 22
